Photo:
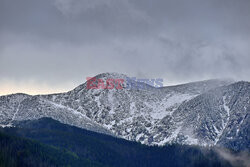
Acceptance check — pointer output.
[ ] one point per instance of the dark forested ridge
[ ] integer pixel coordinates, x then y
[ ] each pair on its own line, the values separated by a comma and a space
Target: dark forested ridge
19, 152
46, 142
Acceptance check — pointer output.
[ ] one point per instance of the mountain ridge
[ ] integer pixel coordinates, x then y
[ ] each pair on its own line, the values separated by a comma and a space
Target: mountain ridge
103, 150
148, 116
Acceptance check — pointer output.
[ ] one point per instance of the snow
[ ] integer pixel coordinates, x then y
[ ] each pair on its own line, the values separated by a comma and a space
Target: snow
141, 114
224, 124
216, 130
111, 102
139, 136
6, 126
163, 142
132, 108
129, 130
226, 107
108, 126
70, 109
53, 97
14, 117
237, 131
165, 106
191, 140
174, 134
177, 99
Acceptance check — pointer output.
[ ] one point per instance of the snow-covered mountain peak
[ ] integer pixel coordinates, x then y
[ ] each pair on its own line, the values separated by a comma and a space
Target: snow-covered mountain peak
111, 75
204, 113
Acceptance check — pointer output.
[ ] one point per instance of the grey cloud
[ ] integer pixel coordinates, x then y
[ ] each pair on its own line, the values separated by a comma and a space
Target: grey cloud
59, 40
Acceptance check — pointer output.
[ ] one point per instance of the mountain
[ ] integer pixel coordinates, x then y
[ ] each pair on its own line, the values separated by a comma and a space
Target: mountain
212, 112
217, 117
25, 107
86, 148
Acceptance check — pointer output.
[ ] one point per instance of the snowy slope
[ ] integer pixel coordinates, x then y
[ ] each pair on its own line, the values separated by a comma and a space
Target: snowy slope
194, 113
215, 117
18, 107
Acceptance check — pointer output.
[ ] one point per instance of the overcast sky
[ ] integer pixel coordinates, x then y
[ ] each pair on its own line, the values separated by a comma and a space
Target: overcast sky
53, 45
